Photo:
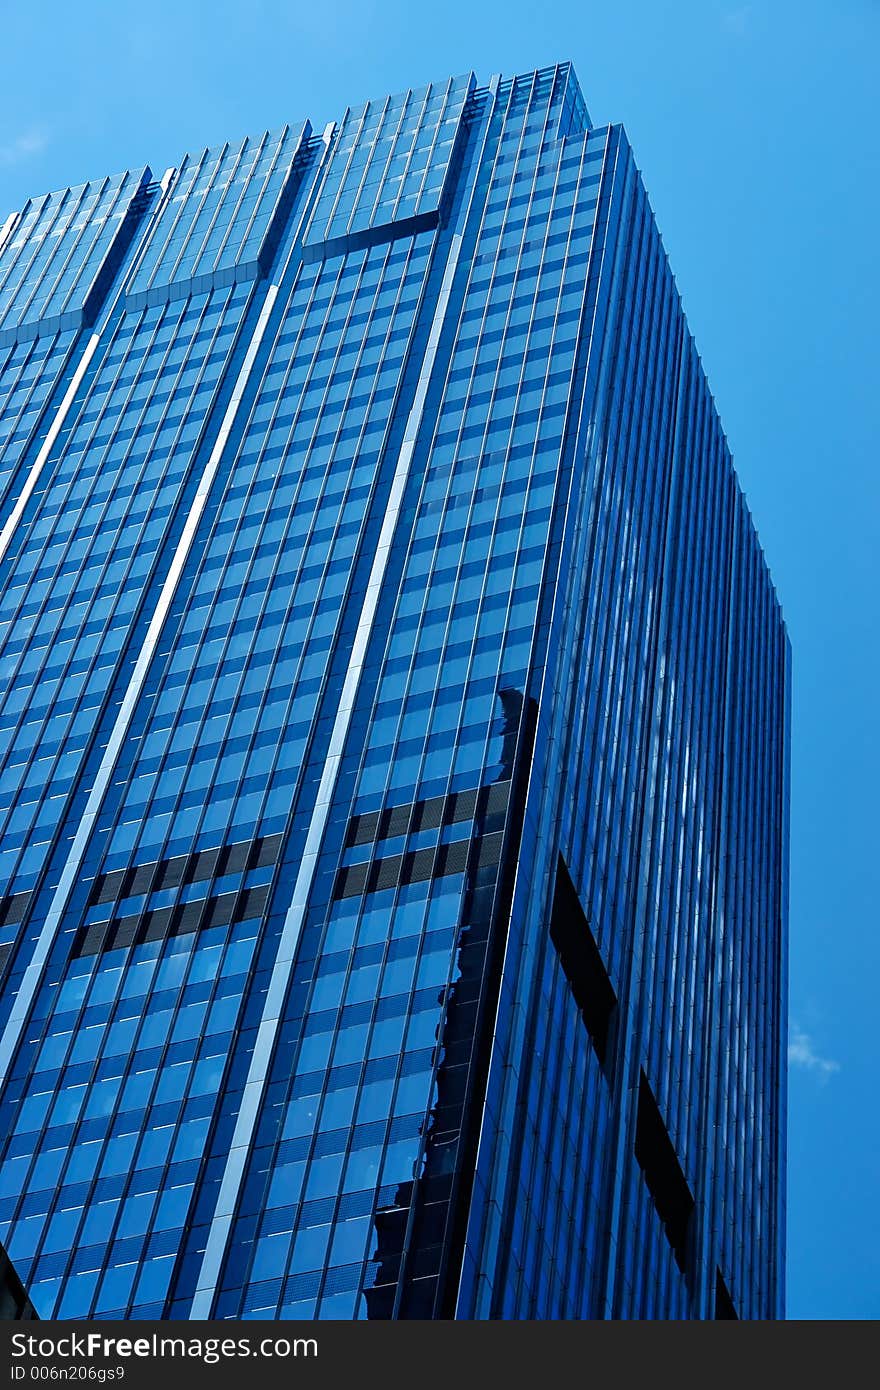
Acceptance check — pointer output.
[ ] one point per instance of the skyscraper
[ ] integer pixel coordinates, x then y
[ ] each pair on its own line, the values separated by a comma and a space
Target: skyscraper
394, 741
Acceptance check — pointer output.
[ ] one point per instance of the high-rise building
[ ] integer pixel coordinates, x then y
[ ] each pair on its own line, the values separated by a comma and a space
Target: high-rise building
394, 741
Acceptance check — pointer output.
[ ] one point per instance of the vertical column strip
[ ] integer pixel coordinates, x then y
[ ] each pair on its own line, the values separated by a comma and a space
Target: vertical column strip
270, 1020
273, 1007
69, 397
48, 444
31, 979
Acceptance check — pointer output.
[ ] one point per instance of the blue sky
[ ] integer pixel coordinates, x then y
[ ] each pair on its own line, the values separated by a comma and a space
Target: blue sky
755, 126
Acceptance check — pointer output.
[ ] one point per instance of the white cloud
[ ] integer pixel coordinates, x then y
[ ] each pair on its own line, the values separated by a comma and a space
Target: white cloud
801, 1053
22, 147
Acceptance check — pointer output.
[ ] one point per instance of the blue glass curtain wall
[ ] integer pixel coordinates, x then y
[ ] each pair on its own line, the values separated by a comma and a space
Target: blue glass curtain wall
393, 741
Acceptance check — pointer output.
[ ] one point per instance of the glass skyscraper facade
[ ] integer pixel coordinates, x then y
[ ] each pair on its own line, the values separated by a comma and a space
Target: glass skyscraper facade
393, 741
